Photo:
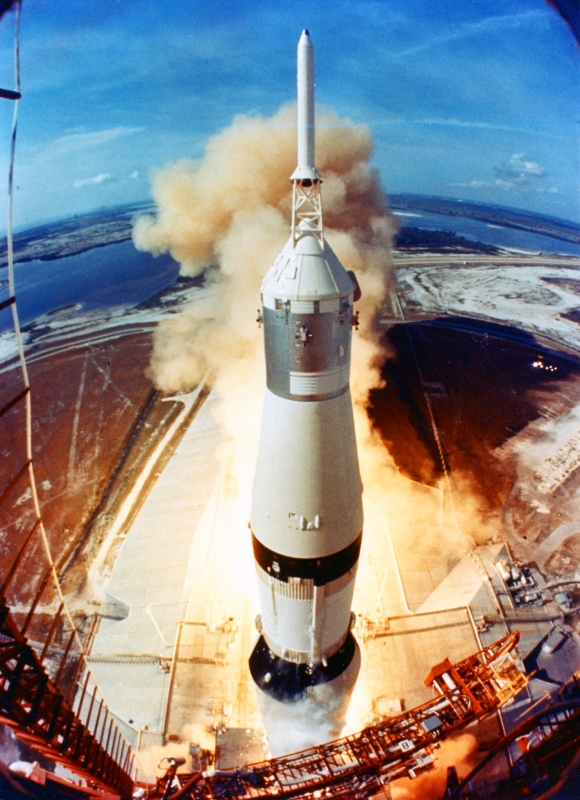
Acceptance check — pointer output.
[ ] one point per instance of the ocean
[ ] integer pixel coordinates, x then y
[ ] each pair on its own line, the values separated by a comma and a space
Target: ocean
117, 274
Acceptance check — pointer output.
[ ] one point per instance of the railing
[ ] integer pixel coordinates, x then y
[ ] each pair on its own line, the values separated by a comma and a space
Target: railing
72, 727
358, 766
47, 693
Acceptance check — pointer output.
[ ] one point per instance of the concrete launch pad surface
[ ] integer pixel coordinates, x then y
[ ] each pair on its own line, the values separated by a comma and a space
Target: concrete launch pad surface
152, 579
397, 652
175, 669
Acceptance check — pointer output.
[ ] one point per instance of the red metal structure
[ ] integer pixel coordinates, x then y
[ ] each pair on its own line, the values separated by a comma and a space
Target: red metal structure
43, 717
358, 766
548, 747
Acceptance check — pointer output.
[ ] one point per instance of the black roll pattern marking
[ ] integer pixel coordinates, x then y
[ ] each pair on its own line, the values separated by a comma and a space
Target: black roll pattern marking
321, 570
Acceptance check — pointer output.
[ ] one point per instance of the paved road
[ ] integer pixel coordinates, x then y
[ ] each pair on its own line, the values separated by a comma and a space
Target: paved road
554, 540
492, 260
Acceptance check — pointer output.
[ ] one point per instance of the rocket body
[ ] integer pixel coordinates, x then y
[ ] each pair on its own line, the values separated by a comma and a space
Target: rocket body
305, 85
306, 516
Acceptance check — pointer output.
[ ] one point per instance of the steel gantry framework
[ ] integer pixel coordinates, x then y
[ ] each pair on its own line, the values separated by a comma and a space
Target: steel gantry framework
47, 693
548, 743
50, 721
358, 766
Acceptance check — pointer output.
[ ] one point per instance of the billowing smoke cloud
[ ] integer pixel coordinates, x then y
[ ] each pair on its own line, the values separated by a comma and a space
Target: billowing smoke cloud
229, 214
302, 724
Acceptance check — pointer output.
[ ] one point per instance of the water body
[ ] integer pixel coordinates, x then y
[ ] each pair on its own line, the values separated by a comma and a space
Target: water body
484, 232
117, 274
113, 275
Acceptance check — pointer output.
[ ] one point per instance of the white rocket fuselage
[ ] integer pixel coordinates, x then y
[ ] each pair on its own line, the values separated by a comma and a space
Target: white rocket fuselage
306, 517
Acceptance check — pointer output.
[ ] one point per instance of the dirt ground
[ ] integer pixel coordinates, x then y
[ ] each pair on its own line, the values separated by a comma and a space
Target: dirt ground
91, 405
476, 384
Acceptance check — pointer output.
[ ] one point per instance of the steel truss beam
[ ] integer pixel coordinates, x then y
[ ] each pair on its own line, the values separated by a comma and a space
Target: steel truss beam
41, 716
358, 766
556, 733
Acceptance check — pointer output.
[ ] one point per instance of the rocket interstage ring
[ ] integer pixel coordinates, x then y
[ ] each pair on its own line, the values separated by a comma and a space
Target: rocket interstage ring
302, 656
286, 681
304, 588
322, 570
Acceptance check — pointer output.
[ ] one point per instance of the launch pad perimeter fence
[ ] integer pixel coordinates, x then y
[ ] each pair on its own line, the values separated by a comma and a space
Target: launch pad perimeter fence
47, 692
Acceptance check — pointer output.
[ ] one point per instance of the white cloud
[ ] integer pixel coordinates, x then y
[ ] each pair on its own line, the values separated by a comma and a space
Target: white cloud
474, 184
74, 142
518, 170
452, 122
518, 174
469, 29
104, 177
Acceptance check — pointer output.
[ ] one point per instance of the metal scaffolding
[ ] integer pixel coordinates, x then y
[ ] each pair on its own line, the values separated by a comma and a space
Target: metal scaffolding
47, 693
358, 766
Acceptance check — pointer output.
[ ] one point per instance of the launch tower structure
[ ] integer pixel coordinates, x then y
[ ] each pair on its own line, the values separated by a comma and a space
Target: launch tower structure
306, 516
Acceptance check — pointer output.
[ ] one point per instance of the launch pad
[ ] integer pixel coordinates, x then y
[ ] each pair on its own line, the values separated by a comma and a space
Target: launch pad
174, 670
407, 607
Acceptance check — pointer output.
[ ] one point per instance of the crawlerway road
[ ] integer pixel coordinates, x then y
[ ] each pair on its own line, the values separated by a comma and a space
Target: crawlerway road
152, 466
504, 259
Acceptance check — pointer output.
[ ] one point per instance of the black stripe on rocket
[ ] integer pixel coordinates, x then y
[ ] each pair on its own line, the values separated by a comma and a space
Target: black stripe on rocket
321, 570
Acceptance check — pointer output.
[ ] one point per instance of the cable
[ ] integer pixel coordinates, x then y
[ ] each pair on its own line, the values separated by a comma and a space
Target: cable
25, 377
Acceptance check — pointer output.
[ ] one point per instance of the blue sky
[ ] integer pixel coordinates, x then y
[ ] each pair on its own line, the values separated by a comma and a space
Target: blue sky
474, 100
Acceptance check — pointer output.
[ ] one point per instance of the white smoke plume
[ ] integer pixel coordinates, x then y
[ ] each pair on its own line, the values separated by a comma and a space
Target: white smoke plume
301, 724
229, 215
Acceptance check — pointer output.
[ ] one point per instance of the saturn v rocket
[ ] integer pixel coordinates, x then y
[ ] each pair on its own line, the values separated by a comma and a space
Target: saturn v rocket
306, 518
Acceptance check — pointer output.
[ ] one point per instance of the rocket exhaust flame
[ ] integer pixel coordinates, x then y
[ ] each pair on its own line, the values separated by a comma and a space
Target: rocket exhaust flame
306, 517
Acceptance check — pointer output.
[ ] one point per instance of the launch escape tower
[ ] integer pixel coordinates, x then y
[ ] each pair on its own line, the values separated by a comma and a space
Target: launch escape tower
306, 517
